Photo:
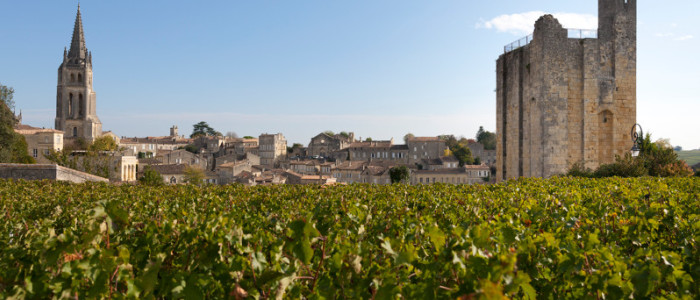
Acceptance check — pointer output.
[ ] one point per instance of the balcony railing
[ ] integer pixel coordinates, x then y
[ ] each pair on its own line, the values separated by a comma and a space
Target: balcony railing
571, 33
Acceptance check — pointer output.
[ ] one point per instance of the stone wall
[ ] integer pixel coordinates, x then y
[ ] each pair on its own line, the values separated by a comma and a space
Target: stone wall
561, 101
50, 172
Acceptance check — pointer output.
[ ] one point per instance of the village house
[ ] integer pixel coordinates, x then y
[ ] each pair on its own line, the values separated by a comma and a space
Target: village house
322, 145
296, 178
273, 149
424, 148
469, 174
40, 141
487, 157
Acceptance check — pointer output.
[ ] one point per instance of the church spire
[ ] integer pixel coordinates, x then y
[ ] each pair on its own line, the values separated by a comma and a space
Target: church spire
77, 46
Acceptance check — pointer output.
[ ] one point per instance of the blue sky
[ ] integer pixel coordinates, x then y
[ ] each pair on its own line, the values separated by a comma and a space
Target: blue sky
378, 68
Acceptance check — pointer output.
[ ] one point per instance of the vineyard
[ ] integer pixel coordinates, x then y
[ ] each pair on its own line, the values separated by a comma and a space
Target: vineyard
560, 238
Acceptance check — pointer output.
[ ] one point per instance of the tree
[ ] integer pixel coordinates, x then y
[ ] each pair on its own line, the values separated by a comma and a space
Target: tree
7, 96
486, 138
103, 143
369, 139
151, 177
344, 134
13, 146
232, 135
399, 174
194, 175
463, 154
407, 137
458, 148
247, 137
203, 129
329, 133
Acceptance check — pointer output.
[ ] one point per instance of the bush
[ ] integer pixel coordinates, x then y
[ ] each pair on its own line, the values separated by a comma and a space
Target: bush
626, 166
151, 177
399, 174
579, 170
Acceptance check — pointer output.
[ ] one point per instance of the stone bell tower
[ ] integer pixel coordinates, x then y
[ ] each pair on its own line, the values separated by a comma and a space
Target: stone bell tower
76, 113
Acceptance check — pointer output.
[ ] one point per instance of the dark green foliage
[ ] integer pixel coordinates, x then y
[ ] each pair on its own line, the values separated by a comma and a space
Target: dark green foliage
13, 146
653, 160
459, 148
248, 137
562, 238
151, 177
626, 166
192, 148
486, 138
400, 174
329, 133
203, 129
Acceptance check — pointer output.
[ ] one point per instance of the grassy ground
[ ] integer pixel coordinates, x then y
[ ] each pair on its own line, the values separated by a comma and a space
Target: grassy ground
692, 157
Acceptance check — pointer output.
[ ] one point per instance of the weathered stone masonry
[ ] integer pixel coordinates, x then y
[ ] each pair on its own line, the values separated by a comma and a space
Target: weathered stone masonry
564, 100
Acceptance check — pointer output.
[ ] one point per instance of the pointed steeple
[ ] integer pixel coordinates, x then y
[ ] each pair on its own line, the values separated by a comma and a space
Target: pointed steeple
77, 45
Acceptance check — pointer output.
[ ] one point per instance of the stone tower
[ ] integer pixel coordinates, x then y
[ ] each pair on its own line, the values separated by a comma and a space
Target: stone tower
566, 96
76, 113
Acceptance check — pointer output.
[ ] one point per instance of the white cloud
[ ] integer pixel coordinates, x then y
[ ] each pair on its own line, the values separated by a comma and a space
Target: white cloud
524, 23
684, 38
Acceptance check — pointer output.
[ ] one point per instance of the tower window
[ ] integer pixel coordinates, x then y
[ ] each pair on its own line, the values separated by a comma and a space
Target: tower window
80, 77
70, 105
81, 105
75, 131
72, 77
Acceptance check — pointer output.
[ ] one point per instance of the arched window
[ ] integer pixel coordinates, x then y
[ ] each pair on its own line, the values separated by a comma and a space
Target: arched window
70, 105
72, 77
80, 77
75, 131
81, 105
173, 180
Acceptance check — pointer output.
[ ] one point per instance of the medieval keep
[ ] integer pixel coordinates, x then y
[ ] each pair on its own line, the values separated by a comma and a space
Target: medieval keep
76, 113
566, 96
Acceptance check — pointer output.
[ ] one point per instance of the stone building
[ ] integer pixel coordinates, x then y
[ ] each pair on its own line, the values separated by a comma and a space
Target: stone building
324, 144
469, 174
41, 141
567, 96
487, 157
420, 148
76, 112
273, 149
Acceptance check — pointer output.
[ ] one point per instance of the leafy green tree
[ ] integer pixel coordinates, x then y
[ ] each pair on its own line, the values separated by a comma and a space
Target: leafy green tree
458, 148
247, 137
329, 132
13, 146
151, 177
486, 138
463, 154
203, 129
7, 96
369, 139
400, 174
344, 134
293, 147
103, 143
194, 175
